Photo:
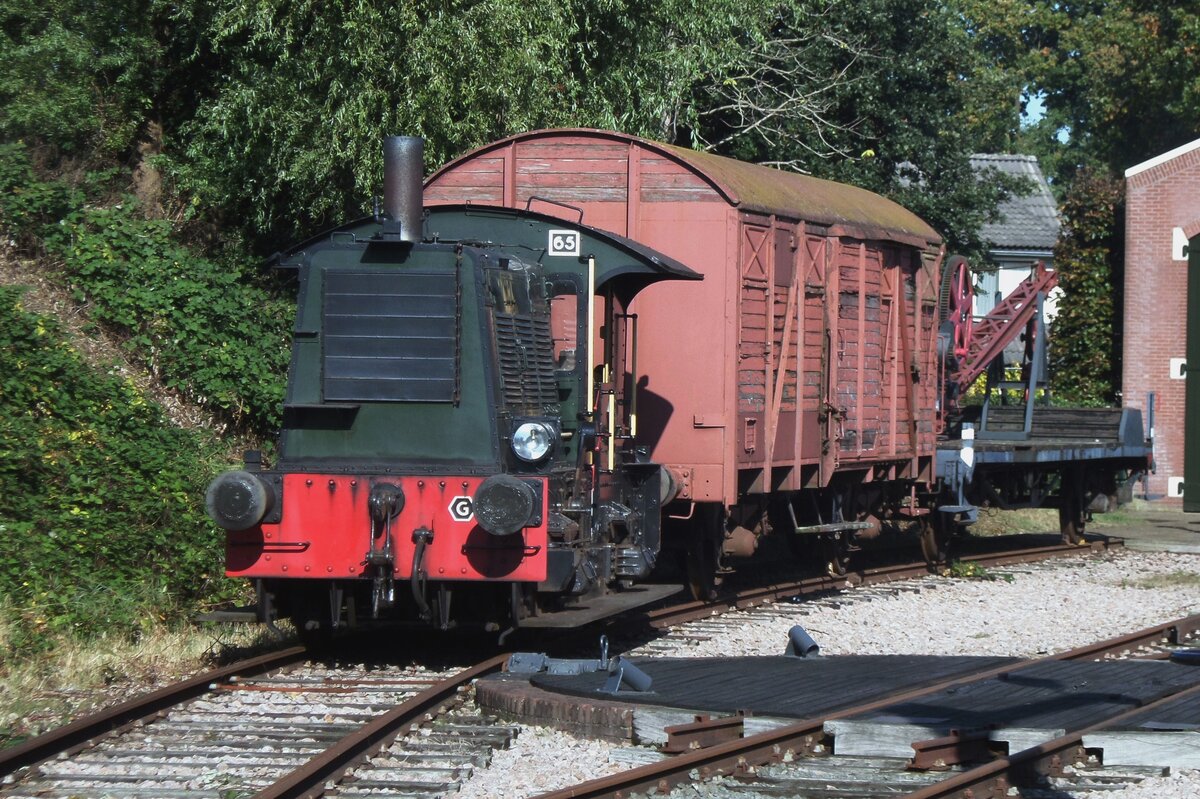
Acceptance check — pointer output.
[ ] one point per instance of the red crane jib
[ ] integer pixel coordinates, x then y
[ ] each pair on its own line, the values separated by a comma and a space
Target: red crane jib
1003, 324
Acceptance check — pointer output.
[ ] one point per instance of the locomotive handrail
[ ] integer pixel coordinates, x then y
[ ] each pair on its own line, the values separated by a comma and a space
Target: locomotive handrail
548, 201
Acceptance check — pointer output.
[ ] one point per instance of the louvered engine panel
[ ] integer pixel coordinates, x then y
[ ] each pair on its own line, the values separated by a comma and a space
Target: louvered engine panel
390, 336
526, 355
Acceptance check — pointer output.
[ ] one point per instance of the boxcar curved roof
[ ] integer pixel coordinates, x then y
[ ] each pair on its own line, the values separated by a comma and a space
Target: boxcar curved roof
752, 187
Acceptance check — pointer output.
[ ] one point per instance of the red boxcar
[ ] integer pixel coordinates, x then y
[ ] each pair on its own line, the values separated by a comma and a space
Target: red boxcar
805, 359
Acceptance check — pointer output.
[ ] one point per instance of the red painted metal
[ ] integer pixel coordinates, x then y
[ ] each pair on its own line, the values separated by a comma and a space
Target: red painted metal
1005, 322
810, 345
325, 532
960, 305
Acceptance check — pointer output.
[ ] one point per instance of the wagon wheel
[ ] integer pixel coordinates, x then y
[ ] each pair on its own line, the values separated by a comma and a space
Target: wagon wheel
935, 540
703, 556
958, 297
1071, 515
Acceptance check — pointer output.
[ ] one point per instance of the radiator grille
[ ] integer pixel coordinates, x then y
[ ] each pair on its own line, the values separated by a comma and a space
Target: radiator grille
390, 336
526, 360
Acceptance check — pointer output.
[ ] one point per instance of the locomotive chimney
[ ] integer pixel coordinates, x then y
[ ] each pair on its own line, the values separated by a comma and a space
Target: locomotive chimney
403, 175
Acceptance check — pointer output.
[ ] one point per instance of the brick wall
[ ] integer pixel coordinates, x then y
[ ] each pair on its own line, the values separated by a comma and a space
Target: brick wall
1158, 200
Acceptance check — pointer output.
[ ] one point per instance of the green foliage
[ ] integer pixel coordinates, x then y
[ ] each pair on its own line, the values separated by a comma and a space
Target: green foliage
286, 133
273, 113
197, 323
203, 326
102, 516
78, 76
1085, 353
288, 137
28, 206
1124, 78
964, 570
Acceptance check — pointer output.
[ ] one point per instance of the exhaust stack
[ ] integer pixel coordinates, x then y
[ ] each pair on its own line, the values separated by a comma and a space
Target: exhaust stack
403, 176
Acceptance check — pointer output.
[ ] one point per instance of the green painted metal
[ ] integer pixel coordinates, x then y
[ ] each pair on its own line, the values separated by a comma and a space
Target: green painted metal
432, 433
438, 435
528, 234
1191, 425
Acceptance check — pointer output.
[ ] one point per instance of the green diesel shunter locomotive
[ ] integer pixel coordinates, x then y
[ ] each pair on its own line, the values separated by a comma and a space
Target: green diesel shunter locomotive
457, 444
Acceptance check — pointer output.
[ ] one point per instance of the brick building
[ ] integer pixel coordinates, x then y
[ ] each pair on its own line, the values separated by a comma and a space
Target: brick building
1162, 210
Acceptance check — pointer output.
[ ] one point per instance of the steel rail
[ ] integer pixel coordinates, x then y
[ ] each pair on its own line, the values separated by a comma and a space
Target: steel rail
802, 736
309, 780
991, 780
698, 609
78, 734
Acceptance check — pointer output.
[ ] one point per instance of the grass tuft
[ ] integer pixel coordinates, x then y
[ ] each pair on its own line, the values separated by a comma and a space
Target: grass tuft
74, 677
1175, 579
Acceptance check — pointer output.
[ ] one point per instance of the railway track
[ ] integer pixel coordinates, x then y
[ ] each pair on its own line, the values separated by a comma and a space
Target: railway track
274, 727
794, 759
668, 616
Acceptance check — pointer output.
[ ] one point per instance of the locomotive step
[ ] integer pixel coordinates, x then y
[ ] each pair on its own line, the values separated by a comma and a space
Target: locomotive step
595, 609
833, 527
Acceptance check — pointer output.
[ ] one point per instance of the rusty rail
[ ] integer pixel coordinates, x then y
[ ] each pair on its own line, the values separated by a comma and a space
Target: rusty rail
759, 595
309, 780
78, 734
804, 736
992, 780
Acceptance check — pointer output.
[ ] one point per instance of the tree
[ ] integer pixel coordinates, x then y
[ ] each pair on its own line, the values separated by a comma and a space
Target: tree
1119, 79
294, 99
78, 77
869, 93
1085, 354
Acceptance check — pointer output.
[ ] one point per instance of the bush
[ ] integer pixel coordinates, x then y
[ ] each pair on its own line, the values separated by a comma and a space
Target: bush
103, 525
1085, 351
207, 328
102, 518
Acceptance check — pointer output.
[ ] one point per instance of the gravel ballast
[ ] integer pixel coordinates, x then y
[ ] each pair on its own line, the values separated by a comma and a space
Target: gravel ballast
1027, 611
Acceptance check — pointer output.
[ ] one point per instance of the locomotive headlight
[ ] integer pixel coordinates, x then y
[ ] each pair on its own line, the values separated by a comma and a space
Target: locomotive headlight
531, 441
238, 500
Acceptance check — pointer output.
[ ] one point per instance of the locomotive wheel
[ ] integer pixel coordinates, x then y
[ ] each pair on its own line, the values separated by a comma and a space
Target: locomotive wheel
703, 557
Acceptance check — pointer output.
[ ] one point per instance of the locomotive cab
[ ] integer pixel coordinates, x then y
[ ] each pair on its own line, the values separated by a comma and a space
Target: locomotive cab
457, 441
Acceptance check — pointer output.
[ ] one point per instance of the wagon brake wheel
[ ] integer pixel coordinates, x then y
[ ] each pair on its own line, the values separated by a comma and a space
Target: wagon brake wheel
958, 297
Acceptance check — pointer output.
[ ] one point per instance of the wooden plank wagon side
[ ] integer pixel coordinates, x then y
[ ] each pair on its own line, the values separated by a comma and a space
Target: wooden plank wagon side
797, 384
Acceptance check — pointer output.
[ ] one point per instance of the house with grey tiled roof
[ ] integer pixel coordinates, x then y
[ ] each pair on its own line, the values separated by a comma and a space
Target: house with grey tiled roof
1024, 232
